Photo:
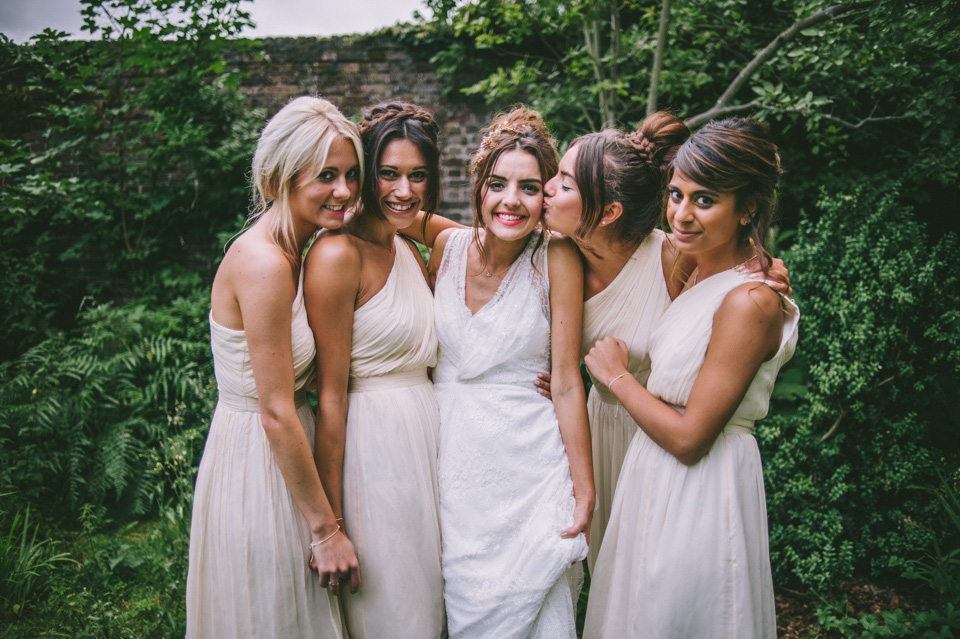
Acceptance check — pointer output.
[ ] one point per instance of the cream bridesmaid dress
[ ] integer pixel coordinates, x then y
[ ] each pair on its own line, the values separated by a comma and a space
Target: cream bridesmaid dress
629, 309
249, 544
686, 551
390, 499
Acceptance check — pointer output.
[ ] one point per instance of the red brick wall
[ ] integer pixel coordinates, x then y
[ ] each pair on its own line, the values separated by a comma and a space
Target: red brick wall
358, 71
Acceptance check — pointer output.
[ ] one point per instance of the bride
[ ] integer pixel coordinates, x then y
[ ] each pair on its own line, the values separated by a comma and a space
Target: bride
514, 469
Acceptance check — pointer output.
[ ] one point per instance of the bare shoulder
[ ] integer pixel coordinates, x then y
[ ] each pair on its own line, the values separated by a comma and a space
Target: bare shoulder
562, 253
333, 251
440, 244
753, 301
252, 259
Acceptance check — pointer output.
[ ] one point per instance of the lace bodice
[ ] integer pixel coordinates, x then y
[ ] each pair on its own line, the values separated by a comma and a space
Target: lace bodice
508, 340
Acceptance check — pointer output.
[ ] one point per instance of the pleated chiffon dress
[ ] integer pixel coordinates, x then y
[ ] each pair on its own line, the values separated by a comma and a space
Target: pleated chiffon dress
249, 545
628, 309
505, 487
686, 552
390, 498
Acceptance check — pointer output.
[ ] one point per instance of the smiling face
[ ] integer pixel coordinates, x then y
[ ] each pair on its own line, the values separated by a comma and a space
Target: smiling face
704, 221
321, 195
513, 196
402, 175
562, 206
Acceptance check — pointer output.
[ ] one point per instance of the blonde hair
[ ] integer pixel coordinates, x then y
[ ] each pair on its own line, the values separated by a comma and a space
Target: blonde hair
297, 138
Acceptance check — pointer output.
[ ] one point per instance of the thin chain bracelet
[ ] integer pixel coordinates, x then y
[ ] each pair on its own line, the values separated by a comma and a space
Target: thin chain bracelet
615, 379
327, 538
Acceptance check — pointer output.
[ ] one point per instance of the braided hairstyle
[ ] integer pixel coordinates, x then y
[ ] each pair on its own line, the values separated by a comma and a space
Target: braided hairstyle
521, 128
736, 155
389, 121
629, 168
297, 138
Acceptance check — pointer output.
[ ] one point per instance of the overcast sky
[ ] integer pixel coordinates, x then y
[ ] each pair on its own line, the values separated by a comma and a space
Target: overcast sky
20, 19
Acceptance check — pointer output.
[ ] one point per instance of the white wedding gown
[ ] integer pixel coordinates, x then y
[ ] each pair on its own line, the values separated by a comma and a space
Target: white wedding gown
505, 487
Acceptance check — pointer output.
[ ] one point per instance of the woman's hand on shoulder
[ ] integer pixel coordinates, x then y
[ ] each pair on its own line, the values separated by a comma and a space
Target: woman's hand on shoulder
777, 277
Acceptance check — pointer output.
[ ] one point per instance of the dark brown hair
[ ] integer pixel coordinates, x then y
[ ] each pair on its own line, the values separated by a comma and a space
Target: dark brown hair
389, 121
629, 168
736, 155
523, 129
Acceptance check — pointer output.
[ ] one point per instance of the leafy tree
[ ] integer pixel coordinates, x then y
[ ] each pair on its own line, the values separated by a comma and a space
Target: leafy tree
854, 90
127, 162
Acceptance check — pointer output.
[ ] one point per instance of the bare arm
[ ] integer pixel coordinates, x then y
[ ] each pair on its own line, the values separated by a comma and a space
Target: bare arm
265, 292
746, 332
435, 226
331, 282
566, 321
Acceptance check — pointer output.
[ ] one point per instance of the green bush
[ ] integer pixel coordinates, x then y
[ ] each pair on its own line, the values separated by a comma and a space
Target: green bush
877, 369
123, 159
81, 417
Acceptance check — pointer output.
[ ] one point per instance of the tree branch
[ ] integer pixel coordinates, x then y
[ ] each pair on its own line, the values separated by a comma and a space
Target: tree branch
658, 58
830, 13
719, 112
833, 428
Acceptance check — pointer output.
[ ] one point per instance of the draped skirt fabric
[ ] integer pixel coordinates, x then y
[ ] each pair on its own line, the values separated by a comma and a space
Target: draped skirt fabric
686, 550
249, 544
390, 506
611, 431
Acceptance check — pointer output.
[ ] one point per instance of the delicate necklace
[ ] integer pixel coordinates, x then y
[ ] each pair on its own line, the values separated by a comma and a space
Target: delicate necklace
696, 277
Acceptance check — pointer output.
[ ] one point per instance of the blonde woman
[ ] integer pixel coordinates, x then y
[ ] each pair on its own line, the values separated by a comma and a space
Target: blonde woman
262, 526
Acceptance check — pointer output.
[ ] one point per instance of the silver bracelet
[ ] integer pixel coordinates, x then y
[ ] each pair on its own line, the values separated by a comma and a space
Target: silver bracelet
615, 379
327, 538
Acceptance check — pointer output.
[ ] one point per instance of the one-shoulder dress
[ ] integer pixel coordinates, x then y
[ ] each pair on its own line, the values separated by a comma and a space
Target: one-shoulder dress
628, 309
249, 545
686, 552
505, 487
390, 497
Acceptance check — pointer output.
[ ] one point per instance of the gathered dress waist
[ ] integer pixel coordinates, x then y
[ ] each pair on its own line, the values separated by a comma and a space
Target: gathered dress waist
390, 380
247, 404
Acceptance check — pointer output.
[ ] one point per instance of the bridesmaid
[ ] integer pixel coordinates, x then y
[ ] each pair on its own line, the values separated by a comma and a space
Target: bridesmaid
371, 312
260, 513
516, 487
608, 198
686, 551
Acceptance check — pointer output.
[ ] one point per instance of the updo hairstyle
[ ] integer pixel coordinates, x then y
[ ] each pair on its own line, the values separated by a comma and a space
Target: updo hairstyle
629, 168
520, 128
297, 138
736, 155
389, 121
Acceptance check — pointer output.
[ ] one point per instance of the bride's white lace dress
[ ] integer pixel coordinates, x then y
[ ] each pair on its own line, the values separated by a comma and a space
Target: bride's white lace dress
503, 474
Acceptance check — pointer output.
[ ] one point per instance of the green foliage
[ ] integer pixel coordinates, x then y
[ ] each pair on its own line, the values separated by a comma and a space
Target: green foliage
874, 386
81, 415
124, 157
25, 562
926, 624
127, 583
866, 95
